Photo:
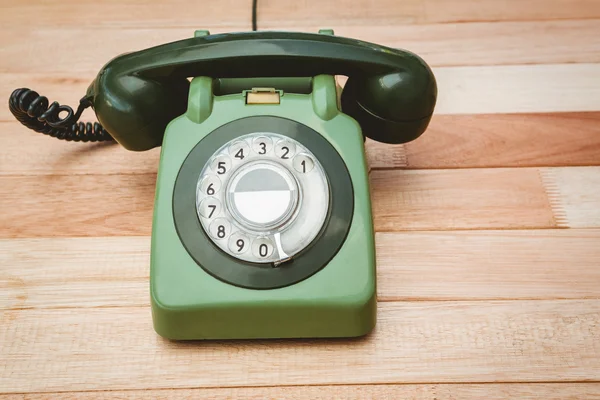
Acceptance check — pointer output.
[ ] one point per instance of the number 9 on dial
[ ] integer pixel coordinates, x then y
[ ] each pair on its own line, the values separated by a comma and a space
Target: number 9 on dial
239, 243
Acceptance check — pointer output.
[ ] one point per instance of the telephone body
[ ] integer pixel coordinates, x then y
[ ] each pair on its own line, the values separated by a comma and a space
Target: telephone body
262, 222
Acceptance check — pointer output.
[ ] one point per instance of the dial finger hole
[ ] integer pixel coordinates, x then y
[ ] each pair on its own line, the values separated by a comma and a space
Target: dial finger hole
209, 208
303, 163
285, 149
239, 243
239, 150
210, 185
220, 228
262, 145
262, 247
221, 165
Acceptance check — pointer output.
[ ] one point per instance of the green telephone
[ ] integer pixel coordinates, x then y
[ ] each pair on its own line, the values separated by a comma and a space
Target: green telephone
262, 221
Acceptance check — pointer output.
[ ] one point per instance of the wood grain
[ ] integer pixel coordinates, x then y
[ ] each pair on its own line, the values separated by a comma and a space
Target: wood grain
506, 391
518, 88
460, 199
459, 44
532, 341
79, 205
90, 272
482, 291
287, 13
579, 206
415, 266
502, 198
31, 153
451, 141
547, 264
117, 205
496, 140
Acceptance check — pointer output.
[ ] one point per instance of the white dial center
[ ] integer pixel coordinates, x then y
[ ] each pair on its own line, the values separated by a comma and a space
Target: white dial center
262, 195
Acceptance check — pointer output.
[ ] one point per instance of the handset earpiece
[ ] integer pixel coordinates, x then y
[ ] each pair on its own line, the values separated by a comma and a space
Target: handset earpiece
395, 107
134, 109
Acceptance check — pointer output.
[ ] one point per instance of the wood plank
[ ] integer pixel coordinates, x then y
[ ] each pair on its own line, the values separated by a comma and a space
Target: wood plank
79, 205
458, 44
287, 13
512, 198
529, 264
460, 199
62, 272
118, 205
480, 265
574, 194
74, 316
452, 141
503, 391
26, 152
518, 89
496, 140
420, 342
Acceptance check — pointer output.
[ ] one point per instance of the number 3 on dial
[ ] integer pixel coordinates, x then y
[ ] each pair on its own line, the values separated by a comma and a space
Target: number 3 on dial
262, 145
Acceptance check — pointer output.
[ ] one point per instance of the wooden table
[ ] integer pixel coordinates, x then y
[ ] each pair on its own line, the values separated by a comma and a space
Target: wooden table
488, 227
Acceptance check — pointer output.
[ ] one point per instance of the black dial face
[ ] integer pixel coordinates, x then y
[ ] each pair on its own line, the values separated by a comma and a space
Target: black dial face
263, 202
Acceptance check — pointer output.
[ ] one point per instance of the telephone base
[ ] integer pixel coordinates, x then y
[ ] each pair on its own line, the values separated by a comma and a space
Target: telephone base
190, 302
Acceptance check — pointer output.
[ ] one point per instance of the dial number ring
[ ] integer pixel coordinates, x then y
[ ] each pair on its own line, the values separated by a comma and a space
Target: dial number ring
270, 189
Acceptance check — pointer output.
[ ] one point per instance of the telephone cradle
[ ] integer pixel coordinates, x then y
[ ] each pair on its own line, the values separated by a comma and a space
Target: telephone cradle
262, 222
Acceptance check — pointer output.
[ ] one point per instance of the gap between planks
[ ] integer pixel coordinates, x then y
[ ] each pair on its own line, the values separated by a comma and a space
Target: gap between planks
451, 141
415, 342
454, 44
463, 199
416, 266
287, 13
432, 391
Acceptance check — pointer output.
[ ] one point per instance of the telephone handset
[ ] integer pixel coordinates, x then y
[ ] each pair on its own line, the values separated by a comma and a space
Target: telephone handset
262, 221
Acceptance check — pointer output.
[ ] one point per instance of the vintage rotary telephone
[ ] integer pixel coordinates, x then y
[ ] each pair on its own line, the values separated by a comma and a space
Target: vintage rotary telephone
262, 220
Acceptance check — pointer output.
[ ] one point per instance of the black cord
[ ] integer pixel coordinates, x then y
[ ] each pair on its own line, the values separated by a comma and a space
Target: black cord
32, 110
254, 6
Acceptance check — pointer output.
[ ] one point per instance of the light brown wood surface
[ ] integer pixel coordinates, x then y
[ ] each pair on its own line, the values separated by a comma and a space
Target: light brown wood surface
488, 226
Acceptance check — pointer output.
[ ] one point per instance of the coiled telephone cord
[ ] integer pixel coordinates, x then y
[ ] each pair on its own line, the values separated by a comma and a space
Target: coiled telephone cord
33, 111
